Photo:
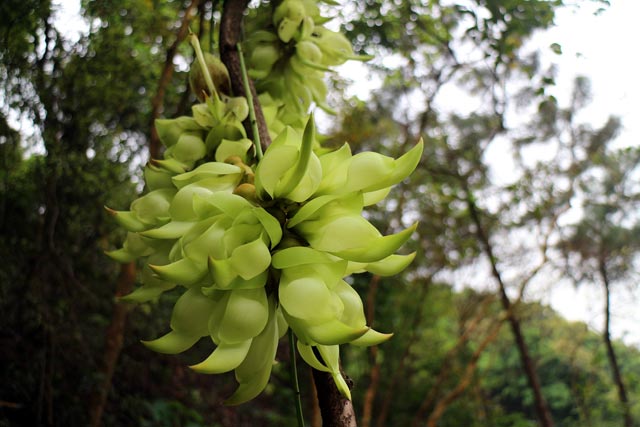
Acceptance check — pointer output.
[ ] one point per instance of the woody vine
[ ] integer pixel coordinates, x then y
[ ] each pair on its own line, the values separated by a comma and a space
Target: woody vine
261, 243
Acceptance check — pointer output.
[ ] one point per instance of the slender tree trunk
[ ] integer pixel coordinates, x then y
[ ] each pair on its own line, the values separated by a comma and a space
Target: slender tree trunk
372, 390
374, 375
165, 78
113, 345
541, 407
611, 354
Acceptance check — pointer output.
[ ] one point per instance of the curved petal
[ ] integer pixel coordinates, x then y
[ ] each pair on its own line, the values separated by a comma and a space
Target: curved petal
246, 315
334, 332
191, 313
172, 343
224, 358
251, 259
371, 337
381, 248
299, 255
306, 351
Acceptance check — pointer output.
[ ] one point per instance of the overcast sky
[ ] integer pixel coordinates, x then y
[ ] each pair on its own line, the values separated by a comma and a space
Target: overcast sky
602, 48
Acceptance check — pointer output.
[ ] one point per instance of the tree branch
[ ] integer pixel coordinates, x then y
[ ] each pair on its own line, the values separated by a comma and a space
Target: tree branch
464, 382
165, 78
445, 369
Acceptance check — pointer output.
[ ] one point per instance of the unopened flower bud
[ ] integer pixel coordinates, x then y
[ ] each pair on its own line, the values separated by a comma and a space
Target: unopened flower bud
219, 75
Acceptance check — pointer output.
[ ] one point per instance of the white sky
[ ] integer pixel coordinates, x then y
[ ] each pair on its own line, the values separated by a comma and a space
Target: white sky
600, 47
603, 48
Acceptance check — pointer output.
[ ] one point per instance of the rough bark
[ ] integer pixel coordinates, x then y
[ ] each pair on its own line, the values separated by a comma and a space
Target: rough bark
336, 410
611, 354
113, 344
540, 404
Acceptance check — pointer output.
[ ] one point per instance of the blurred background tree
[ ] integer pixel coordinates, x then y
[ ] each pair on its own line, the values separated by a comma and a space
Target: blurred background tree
470, 347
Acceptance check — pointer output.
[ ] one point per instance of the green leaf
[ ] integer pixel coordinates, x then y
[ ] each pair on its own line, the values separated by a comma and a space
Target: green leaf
556, 48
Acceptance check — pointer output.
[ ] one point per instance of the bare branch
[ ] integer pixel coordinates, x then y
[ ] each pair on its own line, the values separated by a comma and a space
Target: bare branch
165, 77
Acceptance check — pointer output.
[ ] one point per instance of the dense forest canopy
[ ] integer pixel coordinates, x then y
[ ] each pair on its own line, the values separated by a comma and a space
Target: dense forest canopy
482, 355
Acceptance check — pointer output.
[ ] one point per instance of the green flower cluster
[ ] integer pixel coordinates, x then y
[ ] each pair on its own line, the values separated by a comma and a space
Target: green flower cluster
289, 53
260, 245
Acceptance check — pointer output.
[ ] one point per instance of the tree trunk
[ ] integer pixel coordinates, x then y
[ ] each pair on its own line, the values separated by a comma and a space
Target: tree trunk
611, 354
541, 407
113, 345
336, 410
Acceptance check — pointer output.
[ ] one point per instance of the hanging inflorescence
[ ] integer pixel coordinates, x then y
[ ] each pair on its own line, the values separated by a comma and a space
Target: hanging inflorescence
260, 245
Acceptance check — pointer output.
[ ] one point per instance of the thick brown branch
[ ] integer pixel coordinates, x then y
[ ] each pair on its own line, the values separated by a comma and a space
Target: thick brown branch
336, 410
230, 32
165, 78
